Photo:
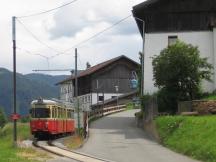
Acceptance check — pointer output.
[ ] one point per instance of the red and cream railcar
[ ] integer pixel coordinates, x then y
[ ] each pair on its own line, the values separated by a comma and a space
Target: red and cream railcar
51, 118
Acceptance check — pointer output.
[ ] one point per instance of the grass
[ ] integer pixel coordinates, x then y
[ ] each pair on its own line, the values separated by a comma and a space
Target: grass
10, 154
130, 106
73, 142
192, 136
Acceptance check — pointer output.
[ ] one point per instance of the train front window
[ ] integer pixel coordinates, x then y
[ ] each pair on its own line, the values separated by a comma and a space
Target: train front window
40, 113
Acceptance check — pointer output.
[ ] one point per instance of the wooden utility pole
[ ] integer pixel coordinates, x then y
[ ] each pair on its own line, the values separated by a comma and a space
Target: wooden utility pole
76, 92
14, 78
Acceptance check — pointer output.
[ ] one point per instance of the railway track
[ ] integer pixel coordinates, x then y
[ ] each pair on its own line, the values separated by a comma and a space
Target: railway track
49, 146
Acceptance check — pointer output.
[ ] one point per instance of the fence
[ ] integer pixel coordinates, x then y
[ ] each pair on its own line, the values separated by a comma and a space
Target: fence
185, 106
105, 111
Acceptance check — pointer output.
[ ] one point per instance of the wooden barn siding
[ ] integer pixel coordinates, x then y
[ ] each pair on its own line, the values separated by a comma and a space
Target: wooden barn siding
178, 15
116, 74
84, 85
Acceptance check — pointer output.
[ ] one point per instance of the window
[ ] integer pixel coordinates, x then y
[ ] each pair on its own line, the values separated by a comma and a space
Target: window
113, 96
40, 113
53, 111
172, 40
101, 98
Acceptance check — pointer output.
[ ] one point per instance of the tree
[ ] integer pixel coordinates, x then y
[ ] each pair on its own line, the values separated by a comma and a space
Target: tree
178, 72
3, 119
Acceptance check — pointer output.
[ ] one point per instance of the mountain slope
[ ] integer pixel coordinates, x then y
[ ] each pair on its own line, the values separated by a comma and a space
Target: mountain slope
46, 79
29, 87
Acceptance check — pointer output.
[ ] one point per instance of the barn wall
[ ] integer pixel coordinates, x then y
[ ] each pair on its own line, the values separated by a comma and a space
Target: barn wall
178, 15
118, 74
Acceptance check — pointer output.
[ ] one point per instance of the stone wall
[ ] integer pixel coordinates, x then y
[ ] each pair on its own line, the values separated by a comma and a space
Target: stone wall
204, 106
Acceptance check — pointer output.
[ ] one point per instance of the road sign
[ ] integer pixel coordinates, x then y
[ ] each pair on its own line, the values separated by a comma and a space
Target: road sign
15, 116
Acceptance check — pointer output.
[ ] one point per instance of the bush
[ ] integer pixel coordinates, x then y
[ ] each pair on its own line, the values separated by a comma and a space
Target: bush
25, 119
178, 72
144, 99
167, 101
139, 115
130, 106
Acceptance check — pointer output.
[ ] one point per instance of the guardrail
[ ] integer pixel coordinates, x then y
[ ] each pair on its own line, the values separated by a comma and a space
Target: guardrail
105, 111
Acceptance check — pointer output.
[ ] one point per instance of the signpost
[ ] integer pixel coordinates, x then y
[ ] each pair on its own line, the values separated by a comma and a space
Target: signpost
15, 116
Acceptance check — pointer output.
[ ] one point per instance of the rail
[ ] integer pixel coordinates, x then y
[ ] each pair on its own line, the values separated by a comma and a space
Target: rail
51, 147
97, 113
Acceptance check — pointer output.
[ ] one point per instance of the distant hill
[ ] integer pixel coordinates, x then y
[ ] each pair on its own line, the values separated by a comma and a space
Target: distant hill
46, 79
29, 87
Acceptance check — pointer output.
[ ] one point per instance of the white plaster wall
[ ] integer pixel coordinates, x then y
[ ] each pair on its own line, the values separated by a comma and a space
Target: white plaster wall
155, 42
106, 96
214, 58
66, 92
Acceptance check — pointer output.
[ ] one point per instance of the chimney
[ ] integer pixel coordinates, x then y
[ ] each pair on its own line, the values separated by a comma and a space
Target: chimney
72, 72
88, 65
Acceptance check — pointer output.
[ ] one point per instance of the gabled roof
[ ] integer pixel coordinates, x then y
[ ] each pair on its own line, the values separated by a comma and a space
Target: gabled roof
96, 68
144, 4
175, 15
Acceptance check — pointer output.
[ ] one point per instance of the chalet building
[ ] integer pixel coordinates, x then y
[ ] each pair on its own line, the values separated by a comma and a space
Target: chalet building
101, 82
191, 21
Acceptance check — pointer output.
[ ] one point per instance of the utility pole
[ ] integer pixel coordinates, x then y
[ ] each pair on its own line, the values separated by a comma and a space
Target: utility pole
14, 78
76, 91
143, 58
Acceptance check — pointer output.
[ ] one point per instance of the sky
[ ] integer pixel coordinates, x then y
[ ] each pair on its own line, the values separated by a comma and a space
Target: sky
53, 33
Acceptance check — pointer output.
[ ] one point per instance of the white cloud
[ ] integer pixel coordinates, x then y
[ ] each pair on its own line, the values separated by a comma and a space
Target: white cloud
66, 27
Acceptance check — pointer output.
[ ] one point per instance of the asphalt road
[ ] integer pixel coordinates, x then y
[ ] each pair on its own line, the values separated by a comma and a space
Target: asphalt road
116, 138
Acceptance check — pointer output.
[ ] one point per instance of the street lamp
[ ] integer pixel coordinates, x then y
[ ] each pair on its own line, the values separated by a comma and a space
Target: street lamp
143, 56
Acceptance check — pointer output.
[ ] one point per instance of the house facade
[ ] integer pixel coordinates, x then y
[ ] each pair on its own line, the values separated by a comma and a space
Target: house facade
101, 82
190, 21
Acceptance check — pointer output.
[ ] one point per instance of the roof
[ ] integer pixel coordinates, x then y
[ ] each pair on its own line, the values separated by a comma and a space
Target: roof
175, 15
44, 102
54, 101
144, 4
96, 68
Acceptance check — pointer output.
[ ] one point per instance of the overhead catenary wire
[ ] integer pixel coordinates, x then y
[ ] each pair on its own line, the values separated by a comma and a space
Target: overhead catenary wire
35, 37
65, 51
37, 54
47, 11
78, 44
92, 37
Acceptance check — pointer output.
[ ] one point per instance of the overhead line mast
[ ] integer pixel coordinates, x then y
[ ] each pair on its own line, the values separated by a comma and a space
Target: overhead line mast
14, 78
